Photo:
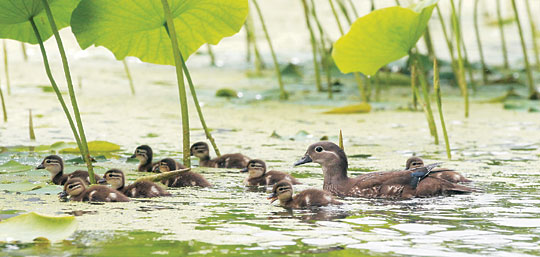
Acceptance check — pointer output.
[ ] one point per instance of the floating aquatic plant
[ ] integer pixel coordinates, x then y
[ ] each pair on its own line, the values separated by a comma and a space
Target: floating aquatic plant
27, 228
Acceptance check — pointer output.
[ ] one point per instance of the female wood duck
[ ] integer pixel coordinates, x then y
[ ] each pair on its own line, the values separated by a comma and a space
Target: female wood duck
442, 173
144, 154
393, 184
140, 189
234, 160
55, 165
283, 190
184, 179
77, 190
259, 177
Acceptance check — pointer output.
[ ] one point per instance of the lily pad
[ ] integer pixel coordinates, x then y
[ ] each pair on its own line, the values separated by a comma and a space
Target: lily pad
95, 146
15, 18
13, 166
21, 186
381, 37
349, 109
27, 227
227, 92
137, 27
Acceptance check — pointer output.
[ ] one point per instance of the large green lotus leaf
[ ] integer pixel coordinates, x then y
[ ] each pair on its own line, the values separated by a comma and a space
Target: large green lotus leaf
13, 166
381, 37
27, 227
95, 146
15, 18
137, 27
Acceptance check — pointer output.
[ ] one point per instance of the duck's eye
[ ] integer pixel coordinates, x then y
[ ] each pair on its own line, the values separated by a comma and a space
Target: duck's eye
47, 161
318, 149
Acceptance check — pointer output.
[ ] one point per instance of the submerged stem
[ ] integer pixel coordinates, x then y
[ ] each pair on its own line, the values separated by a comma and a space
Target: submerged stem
128, 74
171, 30
31, 126
313, 47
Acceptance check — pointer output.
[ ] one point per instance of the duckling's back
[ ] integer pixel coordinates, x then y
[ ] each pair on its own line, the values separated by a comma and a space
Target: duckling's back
144, 189
186, 179
98, 193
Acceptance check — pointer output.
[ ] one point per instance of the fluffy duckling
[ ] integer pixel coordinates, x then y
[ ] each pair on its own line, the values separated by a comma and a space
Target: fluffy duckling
442, 173
259, 177
77, 190
393, 184
235, 160
141, 189
184, 179
55, 165
283, 190
144, 154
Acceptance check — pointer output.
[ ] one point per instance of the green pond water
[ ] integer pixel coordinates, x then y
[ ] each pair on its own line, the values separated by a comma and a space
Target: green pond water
497, 147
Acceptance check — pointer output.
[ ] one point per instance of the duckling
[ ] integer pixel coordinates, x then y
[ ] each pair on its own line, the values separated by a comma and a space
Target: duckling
55, 165
76, 188
283, 190
144, 154
259, 177
392, 184
235, 160
446, 174
184, 179
141, 189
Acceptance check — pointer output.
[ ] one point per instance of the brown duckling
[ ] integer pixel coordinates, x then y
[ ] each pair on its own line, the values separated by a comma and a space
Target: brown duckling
234, 160
393, 184
77, 190
55, 165
140, 189
283, 190
442, 173
144, 154
259, 177
184, 179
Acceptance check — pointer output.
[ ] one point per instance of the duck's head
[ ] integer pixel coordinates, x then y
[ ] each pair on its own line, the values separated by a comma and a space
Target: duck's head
324, 153
200, 150
143, 153
256, 168
165, 165
413, 163
113, 177
74, 187
282, 190
53, 164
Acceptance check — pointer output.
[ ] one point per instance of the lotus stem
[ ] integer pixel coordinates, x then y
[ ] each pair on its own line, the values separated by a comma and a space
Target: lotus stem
428, 113
313, 41
437, 87
533, 34
23, 48
6, 67
378, 86
353, 9
211, 54
461, 72
128, 74
55, 86
429, 43
31, 126
501, 29
337, 17
283, 95
533, 94
413, 86
250, 33
344, 11
479, 43
468, 65
248, 41
162, 176
324, 51
341, 140
71, 91
447, 38
198, 106
4, 111
372, 5
171, 30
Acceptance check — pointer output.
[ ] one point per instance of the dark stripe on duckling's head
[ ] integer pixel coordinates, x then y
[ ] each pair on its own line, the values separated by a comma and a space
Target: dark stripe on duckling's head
143, 152
166, 165
199, 149
414, 162
280, 189
115, 178
326, 154
74, 186
52, 163
255, 167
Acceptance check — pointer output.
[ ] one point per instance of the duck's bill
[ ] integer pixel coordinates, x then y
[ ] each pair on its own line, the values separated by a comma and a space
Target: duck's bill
40, 167
102, 181
63, 194
272, 198
133, 156
305, 159
244, 170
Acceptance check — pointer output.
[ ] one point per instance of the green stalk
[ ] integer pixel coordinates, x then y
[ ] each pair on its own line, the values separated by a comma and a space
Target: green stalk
313, 47
372, 5
4, 111
429, 118
171, 30
341, 140
212, 56
248, 41
23, 48
533, 34
31, 126
344, 11
501, 29
198, 106
429, 43
337, 18
479, 43
533, 94
283, 95
71, 91
468, 65
447, 38
378, 86
437, 87
128, 74
326, 58
353, 9
413, 86
6, 69
259, 64
55, 86
427, 103
397, 3
461, 72
368, 87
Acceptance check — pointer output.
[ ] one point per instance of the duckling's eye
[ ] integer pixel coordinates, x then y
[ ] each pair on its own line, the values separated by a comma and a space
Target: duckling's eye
318, 149
48, 161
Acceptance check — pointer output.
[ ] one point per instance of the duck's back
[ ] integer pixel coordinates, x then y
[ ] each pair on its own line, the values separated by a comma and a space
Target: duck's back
144, 189
98, 193
186, 179
313, 197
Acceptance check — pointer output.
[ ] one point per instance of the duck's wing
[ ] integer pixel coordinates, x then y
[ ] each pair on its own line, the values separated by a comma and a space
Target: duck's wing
433, 186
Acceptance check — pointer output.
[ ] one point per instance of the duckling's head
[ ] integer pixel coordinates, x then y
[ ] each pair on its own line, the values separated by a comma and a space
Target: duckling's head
74, 186
413, 163
143, 153
327, 154
114, 177
53, 164
200, 150
166, 165
255, 167
282, 190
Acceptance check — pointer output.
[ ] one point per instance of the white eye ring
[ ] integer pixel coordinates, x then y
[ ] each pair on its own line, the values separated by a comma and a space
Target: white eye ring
318, 149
